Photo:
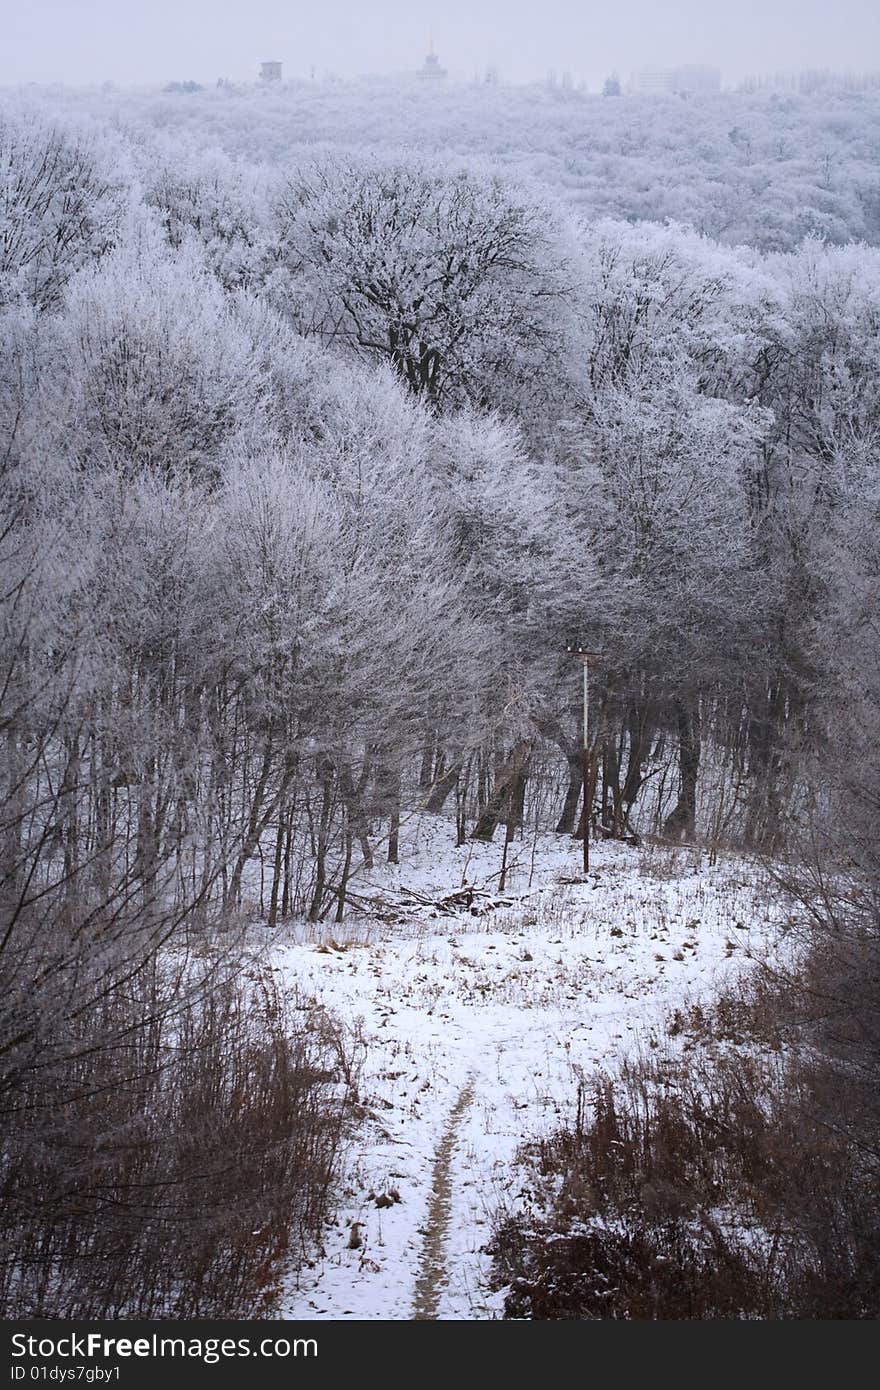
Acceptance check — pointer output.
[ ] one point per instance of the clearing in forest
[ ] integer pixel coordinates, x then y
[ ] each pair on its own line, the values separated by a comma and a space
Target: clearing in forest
478, 1031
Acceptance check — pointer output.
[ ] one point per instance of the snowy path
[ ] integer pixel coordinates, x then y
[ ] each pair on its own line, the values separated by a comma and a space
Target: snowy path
478, 1032
433, 1274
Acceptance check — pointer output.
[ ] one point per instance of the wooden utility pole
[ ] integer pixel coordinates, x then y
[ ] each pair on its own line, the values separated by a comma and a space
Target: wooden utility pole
586, 657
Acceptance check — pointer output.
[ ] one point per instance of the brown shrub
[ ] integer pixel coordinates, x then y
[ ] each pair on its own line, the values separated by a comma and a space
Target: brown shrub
730, 1183
164, 1163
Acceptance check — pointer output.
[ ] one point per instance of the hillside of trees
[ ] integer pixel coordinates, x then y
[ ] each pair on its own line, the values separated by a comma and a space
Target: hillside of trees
312, 468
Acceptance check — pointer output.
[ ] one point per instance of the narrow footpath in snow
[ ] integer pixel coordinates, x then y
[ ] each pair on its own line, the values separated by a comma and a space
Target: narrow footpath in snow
478, 1031
433, 1275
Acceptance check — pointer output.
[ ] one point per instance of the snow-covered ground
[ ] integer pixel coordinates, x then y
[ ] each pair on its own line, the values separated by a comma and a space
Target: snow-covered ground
477, 1031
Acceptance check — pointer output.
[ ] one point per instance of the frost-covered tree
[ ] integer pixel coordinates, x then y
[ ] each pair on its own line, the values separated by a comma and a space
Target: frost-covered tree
159, 374
446, 275
663, 494
220, 203
60, 206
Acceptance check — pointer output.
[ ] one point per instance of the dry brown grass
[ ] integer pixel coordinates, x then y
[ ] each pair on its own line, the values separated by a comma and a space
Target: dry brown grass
171, 1173
732, 1175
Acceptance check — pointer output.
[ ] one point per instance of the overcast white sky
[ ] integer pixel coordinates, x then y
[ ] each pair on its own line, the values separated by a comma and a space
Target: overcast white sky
146, 41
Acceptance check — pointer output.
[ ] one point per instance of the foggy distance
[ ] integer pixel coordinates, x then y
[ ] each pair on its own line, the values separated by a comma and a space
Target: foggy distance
89, 41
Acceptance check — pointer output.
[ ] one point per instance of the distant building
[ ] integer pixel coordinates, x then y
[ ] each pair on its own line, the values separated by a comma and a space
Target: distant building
431, 67
682, 81
652, 82
270, 72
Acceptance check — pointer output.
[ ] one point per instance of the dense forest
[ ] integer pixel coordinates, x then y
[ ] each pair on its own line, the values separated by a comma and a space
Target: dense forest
764, 167
329, 419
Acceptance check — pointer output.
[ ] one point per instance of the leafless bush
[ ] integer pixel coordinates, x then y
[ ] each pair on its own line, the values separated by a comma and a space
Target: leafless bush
165, 1161
742, 1185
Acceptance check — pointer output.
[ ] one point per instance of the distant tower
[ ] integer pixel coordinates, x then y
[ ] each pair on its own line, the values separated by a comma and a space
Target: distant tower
270, 72
432, 68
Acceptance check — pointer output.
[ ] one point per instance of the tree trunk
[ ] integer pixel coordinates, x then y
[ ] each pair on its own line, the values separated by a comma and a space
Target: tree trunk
387, 803
640, 728
343, 881
443, 785
680, 824
325, 773
261, 812
592, 759
354, 795
147, 845
425, 777
568, 818
286, 893
276, 868
394, 835
506, 778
